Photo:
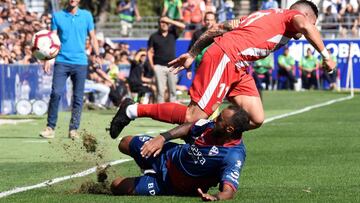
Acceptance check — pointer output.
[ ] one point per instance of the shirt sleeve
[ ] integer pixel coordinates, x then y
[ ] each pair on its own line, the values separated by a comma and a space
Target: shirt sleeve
151, 42
53, 23
91, 26
292, 61
232, 170
166, 4
179, 3
173, 31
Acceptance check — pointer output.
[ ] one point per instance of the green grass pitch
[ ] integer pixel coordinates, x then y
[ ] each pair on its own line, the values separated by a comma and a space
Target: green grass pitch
309, 157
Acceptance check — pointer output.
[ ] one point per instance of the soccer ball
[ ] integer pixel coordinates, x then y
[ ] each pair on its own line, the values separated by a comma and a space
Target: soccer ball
45, 45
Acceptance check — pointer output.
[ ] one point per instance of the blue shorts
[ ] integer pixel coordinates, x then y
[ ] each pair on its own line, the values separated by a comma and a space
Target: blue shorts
150, 184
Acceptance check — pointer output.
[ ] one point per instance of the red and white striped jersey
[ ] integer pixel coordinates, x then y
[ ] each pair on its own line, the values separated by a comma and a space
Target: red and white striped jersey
258, 35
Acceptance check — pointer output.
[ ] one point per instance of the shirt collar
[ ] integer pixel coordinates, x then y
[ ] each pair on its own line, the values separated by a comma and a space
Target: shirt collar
68, 14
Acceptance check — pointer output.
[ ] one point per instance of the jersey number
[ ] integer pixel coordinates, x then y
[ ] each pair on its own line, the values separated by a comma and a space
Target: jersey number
222, 87
253, 17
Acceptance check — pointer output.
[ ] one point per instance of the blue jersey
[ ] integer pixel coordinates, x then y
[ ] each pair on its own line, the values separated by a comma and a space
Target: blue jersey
72, 31
202, 163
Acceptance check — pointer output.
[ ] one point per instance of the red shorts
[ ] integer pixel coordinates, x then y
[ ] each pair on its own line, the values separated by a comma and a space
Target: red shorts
216, 78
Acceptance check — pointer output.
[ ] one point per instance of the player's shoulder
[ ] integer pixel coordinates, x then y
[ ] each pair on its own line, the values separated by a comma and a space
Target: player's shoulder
233, 153
59, 13
282, 12
200, 126
84, 12
203, 122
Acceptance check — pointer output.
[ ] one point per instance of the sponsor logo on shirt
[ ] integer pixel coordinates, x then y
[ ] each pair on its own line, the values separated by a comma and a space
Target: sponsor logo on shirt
151, 189
196, 155
213, 151
238, 164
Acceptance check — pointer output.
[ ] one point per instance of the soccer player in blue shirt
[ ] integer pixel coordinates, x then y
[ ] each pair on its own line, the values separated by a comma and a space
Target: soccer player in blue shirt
213, 153
73, 25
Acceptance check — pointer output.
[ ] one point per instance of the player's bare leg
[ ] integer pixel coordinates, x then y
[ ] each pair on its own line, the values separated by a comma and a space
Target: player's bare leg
194, 112
253, 106
123, 186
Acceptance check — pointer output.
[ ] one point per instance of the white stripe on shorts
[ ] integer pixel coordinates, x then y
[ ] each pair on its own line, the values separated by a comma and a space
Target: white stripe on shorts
214, 82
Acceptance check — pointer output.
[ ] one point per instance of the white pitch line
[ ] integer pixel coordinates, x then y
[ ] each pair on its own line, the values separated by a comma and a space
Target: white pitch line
60, 179
308, 108
93, 169
35, 141
14, 121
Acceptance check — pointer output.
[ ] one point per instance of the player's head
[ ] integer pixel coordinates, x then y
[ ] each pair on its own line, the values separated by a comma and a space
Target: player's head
73, 3
209, 19
232, 121
308, 52
308, 8
163, 25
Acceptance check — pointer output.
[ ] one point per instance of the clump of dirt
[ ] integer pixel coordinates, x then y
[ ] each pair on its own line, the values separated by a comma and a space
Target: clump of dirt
102, 186
90, 150
101, 173
89, 142
92, 187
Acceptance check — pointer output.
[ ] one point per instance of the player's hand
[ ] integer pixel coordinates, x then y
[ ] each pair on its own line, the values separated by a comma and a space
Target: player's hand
329, 65
152, 147
47, 67
181, 62
165, 19
206, 197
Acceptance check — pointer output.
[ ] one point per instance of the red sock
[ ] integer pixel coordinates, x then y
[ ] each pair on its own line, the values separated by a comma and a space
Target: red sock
166, 112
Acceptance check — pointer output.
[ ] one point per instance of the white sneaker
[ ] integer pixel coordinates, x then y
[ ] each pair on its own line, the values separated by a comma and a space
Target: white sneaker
73, 134
47, 133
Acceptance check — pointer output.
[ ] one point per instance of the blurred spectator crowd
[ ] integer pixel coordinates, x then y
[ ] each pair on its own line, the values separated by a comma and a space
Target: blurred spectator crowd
340, 16
17, 27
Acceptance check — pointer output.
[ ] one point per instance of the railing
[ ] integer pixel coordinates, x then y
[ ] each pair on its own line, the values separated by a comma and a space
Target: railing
149, 25
141, 29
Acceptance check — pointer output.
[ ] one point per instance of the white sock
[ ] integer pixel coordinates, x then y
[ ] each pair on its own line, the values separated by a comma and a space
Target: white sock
131, 111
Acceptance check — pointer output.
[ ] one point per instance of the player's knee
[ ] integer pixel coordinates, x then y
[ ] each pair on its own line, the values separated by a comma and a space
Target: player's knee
193, 115
124, 144
123, 186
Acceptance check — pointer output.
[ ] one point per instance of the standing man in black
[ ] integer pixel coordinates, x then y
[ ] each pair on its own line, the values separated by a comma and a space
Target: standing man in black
161, 50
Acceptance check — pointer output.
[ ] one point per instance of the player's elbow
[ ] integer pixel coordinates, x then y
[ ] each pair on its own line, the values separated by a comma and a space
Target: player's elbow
257, 122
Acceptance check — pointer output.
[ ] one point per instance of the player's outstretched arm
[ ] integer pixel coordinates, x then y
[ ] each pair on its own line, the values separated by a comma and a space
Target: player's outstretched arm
154, 146
185, 60
226, 194
208, 37
313, 35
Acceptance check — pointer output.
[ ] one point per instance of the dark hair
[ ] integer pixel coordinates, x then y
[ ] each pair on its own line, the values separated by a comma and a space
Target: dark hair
307, 3
159, 20
210, 13
240, 120
123, 53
